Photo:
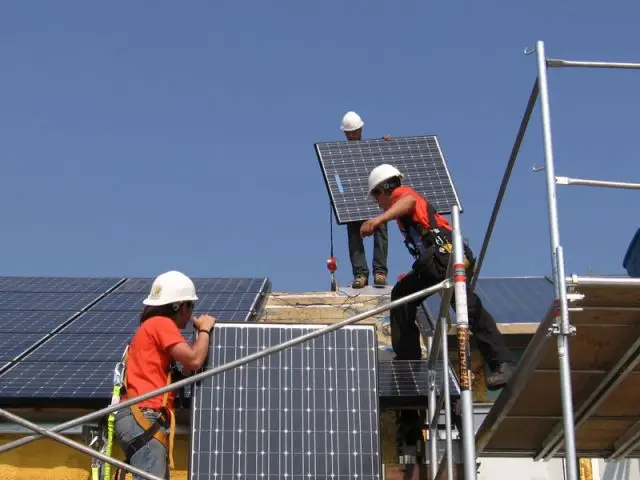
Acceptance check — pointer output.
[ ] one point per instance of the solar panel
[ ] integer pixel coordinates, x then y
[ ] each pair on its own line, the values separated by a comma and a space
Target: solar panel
510, 300
346, 166
57, 284
25, 321
206, 302
14, 344
126, 321
46, 301
410, 378
58, 380
81, 348
310, 411
203, 285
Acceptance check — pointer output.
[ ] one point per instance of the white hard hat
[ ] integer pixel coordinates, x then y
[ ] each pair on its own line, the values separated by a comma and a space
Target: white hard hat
351, 121
171, 287
381, 173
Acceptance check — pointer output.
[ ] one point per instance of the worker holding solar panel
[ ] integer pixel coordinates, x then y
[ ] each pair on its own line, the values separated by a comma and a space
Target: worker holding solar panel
428, 236
145, 431
352, 126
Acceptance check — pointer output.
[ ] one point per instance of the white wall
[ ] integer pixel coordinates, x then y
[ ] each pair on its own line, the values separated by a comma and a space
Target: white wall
520, 469
621, 470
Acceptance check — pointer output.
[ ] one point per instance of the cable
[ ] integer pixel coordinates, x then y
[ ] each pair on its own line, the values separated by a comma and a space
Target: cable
331, 227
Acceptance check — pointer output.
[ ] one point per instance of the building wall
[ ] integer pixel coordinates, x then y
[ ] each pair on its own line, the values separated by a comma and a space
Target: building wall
49, 460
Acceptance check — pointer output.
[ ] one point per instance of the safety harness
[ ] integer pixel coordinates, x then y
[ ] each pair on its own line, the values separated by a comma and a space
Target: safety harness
151, 429
418, 238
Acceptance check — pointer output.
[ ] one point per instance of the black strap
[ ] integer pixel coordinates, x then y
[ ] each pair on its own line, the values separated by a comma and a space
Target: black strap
140, 441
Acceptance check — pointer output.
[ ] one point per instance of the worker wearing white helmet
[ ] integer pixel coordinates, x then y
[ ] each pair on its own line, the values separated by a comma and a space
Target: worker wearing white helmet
428, 238
352, 126
145, 431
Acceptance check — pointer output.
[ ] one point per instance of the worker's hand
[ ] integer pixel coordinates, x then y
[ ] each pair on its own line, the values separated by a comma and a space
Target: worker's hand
387, 137
205, 322
368, 227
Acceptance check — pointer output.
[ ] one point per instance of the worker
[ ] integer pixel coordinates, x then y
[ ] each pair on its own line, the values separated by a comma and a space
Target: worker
428, 237
352, 126
145, 431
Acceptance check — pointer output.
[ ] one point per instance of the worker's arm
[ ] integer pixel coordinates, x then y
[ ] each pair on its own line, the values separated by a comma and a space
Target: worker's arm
193, 356
403, 206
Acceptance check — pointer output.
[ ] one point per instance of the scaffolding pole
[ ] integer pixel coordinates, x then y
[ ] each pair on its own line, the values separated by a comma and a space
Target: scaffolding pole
228, 366
562, 328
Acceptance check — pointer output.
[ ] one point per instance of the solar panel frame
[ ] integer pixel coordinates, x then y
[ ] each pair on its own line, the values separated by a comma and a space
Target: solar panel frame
58, 284
57, 380
271, 448
346, 165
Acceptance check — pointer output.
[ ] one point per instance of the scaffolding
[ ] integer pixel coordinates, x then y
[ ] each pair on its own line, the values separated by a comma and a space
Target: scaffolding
557, 321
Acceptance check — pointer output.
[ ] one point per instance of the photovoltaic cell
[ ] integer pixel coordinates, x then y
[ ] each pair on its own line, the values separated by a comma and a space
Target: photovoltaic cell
57, 284
46, 301
346, 166
203, 285
14, 344
58, 380
410, 378
81, 348
510, 300
28, 321
310, 411
206, 302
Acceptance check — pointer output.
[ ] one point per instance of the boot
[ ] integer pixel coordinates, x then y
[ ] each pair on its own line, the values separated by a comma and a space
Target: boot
379, 279
360, 282
499, 377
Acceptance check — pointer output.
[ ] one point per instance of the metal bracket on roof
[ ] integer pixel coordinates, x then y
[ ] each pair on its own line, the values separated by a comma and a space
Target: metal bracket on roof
556, 330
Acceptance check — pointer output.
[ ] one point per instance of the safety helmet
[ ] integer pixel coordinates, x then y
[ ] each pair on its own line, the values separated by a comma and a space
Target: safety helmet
171, 287
351, 121
381, 173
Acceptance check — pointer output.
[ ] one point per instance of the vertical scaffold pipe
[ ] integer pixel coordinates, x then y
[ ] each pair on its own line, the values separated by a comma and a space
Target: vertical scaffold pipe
432, 401
462, 324
559, 279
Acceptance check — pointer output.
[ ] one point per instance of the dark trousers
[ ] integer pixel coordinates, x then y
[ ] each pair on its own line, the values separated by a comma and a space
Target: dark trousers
357, 253
405, 335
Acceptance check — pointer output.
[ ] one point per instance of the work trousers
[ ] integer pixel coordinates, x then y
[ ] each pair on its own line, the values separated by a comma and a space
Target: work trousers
357, 253
429, 270
152, 457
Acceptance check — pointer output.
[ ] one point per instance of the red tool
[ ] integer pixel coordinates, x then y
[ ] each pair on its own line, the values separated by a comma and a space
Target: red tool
332, 265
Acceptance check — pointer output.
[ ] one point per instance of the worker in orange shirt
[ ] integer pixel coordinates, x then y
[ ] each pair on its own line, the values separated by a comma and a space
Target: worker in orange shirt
145, 431
428, 237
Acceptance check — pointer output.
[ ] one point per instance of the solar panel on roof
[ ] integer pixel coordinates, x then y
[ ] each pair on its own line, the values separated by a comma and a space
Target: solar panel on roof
46, 301
207, 301
57, 284
58, 380
13, 345
310, 411
25, 321
346, 166
203, 285
75, 347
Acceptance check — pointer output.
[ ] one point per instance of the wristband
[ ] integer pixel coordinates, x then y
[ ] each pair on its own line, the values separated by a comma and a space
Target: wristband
204, 331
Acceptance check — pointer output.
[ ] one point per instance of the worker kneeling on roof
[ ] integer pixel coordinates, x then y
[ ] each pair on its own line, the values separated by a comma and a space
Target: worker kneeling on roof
428, 236
145, 431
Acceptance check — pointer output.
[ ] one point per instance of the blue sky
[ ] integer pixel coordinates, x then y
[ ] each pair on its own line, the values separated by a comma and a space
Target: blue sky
138, 137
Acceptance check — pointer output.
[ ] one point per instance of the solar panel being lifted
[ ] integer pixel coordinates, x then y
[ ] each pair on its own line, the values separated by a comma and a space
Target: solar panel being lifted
310, 411
346, 166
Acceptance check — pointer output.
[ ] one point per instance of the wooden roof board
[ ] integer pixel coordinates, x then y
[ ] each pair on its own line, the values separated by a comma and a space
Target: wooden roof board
605, 376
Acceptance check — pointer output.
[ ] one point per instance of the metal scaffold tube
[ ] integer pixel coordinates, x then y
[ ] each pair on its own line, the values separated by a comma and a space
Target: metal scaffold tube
462, 324
433, 413
559, 279
78, 446
420, 295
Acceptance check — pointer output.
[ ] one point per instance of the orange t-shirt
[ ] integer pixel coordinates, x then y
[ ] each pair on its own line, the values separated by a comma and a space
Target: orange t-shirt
419, 215
148, 359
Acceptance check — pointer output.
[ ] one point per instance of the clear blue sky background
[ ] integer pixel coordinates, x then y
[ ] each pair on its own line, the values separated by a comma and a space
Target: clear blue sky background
137, 137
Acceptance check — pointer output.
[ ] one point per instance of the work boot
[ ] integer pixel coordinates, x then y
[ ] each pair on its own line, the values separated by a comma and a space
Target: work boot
499, 377
380, 279
360, 281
